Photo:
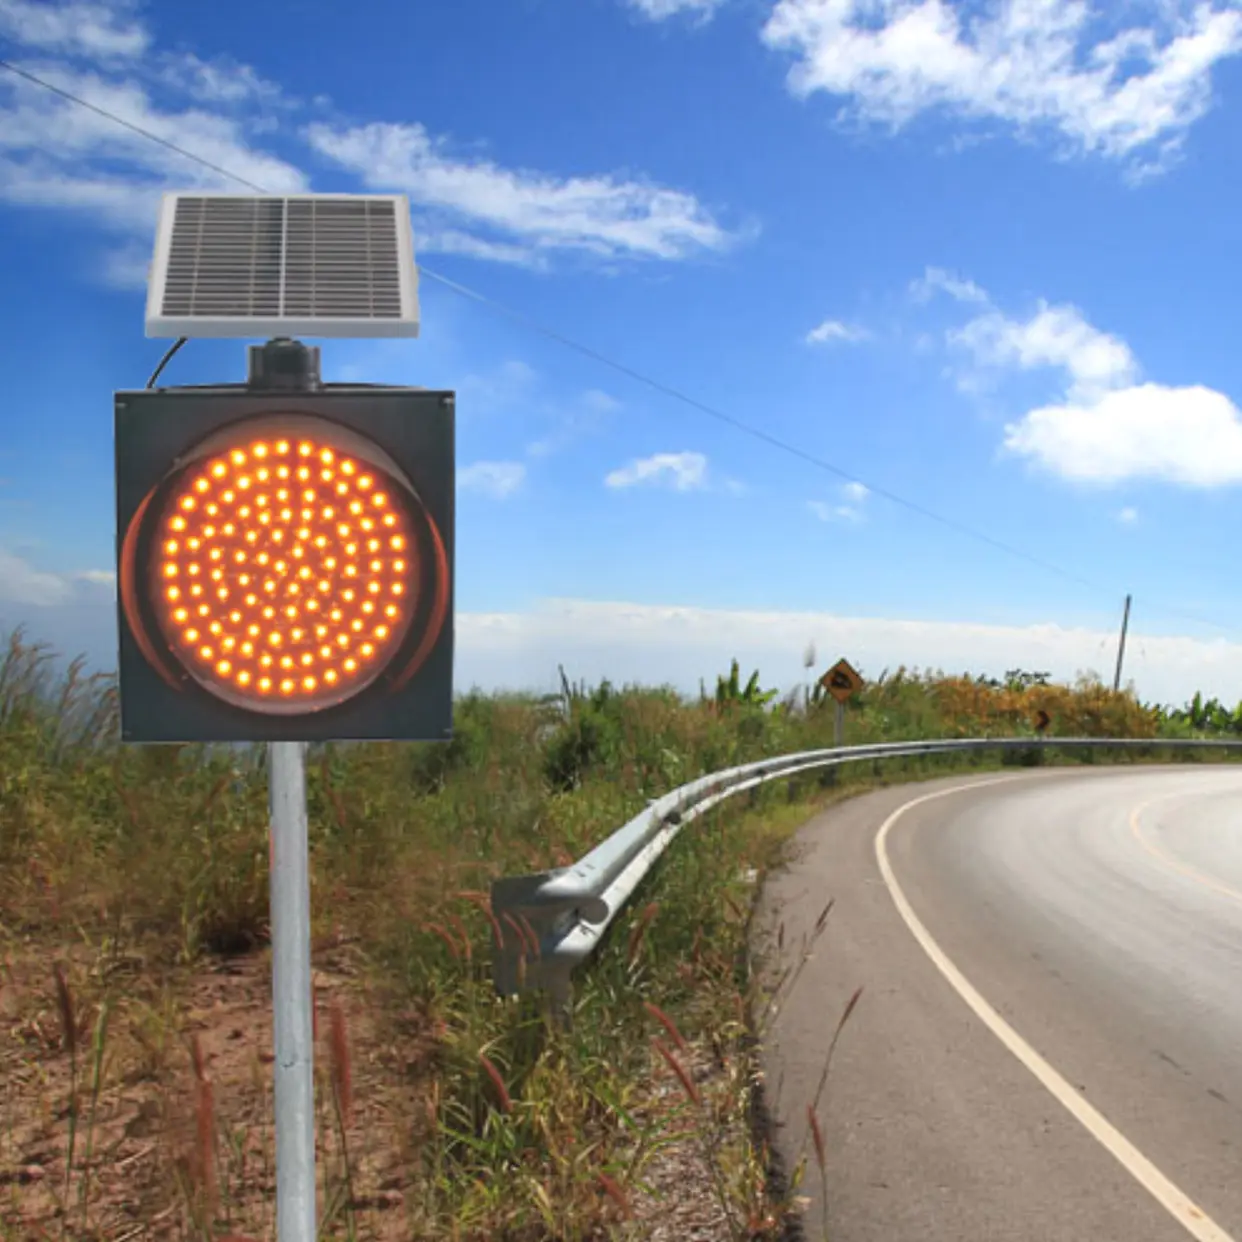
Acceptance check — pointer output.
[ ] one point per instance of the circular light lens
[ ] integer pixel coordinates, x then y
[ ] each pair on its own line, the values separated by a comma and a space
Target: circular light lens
312, 581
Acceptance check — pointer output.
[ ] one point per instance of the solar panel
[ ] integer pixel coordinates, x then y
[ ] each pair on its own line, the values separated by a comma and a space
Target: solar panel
235, 265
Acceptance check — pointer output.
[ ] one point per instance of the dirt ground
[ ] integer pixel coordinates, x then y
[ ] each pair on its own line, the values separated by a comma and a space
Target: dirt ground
182, 1117
186, 1070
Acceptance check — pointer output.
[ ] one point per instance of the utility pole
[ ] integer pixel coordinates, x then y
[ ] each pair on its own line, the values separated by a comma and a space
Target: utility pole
1121, 646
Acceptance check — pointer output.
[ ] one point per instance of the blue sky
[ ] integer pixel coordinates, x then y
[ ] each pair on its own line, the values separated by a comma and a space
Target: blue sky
978, 256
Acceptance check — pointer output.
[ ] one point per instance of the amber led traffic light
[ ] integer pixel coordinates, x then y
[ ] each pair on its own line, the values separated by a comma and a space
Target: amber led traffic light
284, 571
284, 564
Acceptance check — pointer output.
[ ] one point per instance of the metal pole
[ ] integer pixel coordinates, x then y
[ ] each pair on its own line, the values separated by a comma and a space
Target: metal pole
1121, 646
838, 731
292, 1038
287, 365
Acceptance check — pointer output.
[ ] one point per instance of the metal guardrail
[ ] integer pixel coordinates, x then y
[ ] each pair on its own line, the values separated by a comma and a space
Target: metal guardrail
568, 910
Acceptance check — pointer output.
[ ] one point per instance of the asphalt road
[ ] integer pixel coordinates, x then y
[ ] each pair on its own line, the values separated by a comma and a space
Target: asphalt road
1049, 1043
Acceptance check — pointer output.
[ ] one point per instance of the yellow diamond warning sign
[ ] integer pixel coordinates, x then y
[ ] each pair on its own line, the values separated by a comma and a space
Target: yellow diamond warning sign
842, 681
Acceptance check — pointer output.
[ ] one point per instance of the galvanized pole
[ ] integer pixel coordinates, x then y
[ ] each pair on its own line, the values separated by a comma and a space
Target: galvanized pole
292, 1037
290, 365
1121, 646
838, 732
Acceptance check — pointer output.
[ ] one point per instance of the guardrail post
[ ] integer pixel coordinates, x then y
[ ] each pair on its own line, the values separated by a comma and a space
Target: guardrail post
558, 985
530, 928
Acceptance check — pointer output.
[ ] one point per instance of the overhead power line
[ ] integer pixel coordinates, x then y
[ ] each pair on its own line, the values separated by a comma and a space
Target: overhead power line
667, 390
136, 129
755, 432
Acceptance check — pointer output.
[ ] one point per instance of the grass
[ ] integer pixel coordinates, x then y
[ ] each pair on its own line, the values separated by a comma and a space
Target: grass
135, 1042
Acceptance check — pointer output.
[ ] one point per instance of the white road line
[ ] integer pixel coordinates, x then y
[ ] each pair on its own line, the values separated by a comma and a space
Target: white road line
1180, 1206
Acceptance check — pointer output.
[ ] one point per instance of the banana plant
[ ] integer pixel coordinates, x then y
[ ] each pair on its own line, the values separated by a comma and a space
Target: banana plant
1203, 715
729, 690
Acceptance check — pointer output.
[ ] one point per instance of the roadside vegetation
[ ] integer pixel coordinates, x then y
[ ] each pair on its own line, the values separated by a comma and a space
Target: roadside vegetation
135, 1032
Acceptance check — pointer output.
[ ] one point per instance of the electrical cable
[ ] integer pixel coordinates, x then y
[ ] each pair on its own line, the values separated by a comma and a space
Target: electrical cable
737, 424
166, 359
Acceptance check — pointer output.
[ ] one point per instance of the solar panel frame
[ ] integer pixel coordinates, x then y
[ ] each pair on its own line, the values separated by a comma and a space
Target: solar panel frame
329, 265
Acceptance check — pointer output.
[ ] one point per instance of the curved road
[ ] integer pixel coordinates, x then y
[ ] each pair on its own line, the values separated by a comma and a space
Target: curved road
1049, 1044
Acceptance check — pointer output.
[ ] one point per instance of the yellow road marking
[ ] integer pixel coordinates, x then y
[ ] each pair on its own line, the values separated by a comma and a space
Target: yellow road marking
1162, 855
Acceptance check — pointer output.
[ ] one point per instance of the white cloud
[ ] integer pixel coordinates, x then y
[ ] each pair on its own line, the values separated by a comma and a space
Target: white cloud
1186, 436
1031, 64
455, 241
684, 472
938, 280
848, 509
835, 330
661, 10
600, 215
222, 81
497, 479
127, 266
599, 402
511, 387
1127, 516
1107, 425
574, 418
95, 30
22, 583
654, 644
1055, 336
